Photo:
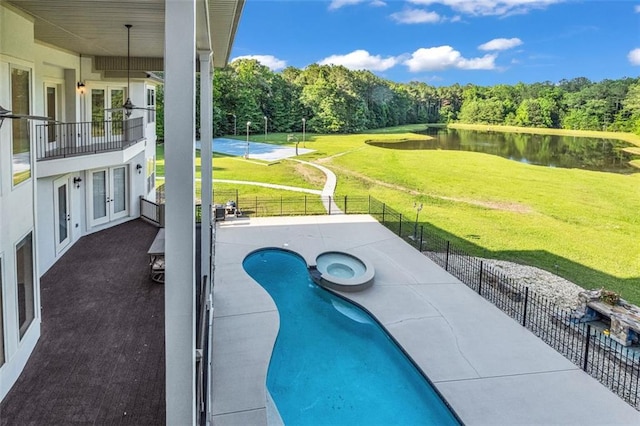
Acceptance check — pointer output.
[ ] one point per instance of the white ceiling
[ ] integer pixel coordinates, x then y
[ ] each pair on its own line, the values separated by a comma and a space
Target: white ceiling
96, 27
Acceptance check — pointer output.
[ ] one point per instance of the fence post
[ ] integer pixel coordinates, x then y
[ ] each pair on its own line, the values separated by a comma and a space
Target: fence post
400, 226
281, 205
421, 231
256, 206
383, 210
446, 261
305, 205
526, 303
329, 205
480, 281
586, 348
345, 204
369, 206
237, 198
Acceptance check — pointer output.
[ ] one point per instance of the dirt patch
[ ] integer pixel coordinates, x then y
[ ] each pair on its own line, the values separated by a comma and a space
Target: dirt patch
494, 205
310, 174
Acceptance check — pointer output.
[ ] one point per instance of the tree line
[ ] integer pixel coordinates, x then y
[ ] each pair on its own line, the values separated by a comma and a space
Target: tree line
334, 99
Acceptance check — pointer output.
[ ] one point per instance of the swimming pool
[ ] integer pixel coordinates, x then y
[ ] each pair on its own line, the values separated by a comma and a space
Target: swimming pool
331, 362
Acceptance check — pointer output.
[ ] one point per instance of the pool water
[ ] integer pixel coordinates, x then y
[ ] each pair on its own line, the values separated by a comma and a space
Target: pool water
340, 265
332, 364
340, 270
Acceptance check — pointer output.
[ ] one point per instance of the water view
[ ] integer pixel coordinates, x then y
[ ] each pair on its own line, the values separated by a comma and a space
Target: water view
605, 155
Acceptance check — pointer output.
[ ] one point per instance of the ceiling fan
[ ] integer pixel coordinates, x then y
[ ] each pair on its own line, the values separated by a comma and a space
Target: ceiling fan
128, 106
5, 113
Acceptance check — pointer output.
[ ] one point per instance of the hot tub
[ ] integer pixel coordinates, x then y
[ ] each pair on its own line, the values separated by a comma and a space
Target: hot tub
342, 271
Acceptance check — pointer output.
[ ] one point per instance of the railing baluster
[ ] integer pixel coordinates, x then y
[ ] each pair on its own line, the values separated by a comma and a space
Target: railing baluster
87, 137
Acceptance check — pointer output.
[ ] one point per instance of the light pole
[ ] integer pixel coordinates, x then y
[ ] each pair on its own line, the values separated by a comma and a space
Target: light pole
265, 128
304, 121
235, 128
246, 152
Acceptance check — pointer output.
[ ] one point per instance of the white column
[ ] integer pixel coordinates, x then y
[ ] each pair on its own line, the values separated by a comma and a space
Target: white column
179, 98
206, 135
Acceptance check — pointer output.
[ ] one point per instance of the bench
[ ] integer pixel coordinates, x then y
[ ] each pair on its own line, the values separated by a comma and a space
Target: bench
156, 257
624, 323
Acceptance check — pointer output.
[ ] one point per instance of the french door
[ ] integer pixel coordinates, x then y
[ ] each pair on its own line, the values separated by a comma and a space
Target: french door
109, 194
62, 213
106, 122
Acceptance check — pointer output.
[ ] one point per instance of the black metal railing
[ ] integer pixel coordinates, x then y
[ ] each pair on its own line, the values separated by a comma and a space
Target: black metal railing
203, 339
61, 140
613, 364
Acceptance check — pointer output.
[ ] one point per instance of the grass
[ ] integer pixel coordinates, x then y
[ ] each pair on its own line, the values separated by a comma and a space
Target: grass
579, 224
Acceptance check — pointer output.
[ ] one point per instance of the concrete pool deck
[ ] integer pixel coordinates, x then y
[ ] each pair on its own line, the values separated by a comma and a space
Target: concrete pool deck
491, 370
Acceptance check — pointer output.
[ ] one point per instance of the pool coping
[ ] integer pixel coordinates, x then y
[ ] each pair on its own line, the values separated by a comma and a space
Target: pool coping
334, 282
489, 369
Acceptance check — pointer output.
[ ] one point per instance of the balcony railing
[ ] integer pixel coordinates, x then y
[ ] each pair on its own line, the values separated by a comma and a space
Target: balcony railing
61, 140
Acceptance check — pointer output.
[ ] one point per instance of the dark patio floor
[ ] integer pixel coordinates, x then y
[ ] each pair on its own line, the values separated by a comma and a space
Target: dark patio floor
100, 358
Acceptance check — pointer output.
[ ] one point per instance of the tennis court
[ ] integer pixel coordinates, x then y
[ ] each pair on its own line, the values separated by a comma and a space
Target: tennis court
256, 150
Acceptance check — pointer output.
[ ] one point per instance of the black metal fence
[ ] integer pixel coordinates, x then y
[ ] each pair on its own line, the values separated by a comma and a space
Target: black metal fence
60, 140
613, 364
297, 205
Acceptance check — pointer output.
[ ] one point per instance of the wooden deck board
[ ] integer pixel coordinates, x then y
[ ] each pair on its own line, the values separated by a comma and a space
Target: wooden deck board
100, 358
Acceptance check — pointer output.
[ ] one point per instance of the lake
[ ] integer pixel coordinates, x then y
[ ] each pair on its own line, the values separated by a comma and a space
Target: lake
605, 155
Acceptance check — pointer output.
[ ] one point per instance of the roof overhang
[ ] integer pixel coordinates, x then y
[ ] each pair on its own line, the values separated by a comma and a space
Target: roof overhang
96, 27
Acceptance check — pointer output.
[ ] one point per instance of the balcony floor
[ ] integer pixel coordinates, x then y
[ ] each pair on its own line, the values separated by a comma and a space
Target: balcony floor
100, 358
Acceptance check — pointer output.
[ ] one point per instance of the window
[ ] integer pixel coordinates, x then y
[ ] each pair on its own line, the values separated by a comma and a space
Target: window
52, 113
24, 274
1, 320
151, 173
20, 104
151, 103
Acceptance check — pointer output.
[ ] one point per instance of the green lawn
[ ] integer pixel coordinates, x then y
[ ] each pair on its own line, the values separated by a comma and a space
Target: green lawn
580, 224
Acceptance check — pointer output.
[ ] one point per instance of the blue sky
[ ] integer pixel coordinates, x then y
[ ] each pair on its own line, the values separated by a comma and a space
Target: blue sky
484, 42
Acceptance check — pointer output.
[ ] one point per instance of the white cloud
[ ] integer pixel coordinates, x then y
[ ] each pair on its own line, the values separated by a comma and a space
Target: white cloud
361, 60
337, 4
269, 61
487, 62
501, 44
416, 16
490, 7
634, 56
637, 8
444, 57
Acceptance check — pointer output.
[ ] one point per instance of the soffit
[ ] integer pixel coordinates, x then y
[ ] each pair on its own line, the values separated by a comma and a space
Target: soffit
96, 27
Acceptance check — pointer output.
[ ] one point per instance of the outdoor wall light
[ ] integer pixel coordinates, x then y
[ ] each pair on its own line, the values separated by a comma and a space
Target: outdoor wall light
76, 181
81, 87
139, 168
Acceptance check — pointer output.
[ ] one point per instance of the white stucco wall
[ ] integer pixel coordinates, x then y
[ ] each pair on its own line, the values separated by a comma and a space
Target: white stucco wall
17, 205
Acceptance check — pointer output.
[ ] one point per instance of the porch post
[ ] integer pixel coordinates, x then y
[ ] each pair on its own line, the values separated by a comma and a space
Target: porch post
206, 135
180, 239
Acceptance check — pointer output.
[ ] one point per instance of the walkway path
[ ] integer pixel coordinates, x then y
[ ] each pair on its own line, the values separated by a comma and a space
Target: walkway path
326, 193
